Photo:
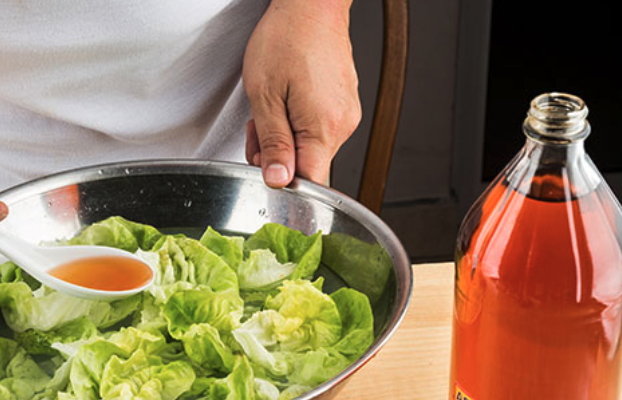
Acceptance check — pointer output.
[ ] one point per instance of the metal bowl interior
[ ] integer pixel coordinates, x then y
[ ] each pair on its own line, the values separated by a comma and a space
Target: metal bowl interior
359, 250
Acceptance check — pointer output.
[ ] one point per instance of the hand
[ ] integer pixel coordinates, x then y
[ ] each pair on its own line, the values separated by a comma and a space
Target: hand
302, 84
4, 211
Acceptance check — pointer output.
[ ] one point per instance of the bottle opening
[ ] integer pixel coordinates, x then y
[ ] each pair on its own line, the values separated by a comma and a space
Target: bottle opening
557, 117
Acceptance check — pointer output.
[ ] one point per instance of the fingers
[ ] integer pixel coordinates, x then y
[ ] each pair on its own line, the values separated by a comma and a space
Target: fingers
323, 136
276, 142
312, 149
252, 144
4, 211
313, 157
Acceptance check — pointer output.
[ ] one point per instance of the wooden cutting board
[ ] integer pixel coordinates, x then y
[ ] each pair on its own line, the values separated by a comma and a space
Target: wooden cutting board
415, 362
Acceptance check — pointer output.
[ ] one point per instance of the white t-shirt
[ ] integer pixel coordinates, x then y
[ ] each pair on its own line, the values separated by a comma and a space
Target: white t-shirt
86, 82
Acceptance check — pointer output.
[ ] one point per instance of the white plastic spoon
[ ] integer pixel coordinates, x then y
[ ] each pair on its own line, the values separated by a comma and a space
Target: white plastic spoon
38, 261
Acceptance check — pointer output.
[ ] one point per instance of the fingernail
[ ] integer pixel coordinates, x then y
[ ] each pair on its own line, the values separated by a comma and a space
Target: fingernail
276, 175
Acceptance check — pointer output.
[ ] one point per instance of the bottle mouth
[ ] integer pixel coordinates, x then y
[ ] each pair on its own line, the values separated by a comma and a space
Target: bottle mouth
557, 117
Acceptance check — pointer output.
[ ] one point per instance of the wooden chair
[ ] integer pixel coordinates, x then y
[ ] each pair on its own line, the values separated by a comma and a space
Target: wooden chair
388, 104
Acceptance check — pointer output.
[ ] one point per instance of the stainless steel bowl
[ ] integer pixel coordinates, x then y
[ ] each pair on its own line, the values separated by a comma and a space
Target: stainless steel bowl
360, 251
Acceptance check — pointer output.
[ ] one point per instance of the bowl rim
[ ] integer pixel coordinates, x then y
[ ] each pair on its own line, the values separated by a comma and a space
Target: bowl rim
299, 186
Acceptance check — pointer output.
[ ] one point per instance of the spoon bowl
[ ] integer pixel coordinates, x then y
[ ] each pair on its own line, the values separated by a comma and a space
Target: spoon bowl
39, 261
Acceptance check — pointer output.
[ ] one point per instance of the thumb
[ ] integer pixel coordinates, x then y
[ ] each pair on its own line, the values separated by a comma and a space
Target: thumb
276, 143
4, 211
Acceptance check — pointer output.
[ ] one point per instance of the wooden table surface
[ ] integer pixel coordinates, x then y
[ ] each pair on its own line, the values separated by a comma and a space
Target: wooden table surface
415, 362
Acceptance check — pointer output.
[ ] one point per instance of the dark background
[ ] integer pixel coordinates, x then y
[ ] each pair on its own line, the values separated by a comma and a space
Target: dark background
474, 67
552, 45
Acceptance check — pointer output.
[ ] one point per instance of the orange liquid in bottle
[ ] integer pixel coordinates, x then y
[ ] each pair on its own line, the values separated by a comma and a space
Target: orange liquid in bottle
538, 298
104, 273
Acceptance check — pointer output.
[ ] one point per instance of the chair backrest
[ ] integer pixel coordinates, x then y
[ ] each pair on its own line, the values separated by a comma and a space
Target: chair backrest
388, 104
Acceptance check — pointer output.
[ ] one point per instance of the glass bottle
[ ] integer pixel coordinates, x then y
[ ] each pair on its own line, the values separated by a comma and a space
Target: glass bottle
538, 290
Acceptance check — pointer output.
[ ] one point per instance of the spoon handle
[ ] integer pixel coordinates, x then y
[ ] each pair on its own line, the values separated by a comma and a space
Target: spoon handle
24, 254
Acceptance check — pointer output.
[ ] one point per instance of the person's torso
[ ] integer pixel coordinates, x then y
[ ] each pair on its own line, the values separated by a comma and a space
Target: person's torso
143, 76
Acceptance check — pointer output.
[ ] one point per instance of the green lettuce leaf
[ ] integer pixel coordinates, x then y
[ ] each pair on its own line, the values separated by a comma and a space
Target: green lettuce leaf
58, 382
358, 323
260, 275
150, 316
229, 248
205, 348
111, 313
24, 309
40, 343
132, 339
265, 390
90, 362
258, 339
262, 270
348, 256
120, 233
305, 337
226, 319
66, 396
300, 318
20, 376
88, 366
184, 264
238, 385
200, 389
311, 317
11, 273
294, 391
144, 377
315, 367
45, 309
290, 246
221, 310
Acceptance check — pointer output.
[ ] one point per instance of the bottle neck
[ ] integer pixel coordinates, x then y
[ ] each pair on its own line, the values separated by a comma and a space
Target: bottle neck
557, 118
556, 155
553, 165
552, 171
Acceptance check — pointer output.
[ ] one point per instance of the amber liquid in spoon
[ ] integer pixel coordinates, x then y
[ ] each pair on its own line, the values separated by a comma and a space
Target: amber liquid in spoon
107, 273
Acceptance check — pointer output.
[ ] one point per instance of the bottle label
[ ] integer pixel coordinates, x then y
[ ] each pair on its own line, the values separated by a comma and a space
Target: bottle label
461, 395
